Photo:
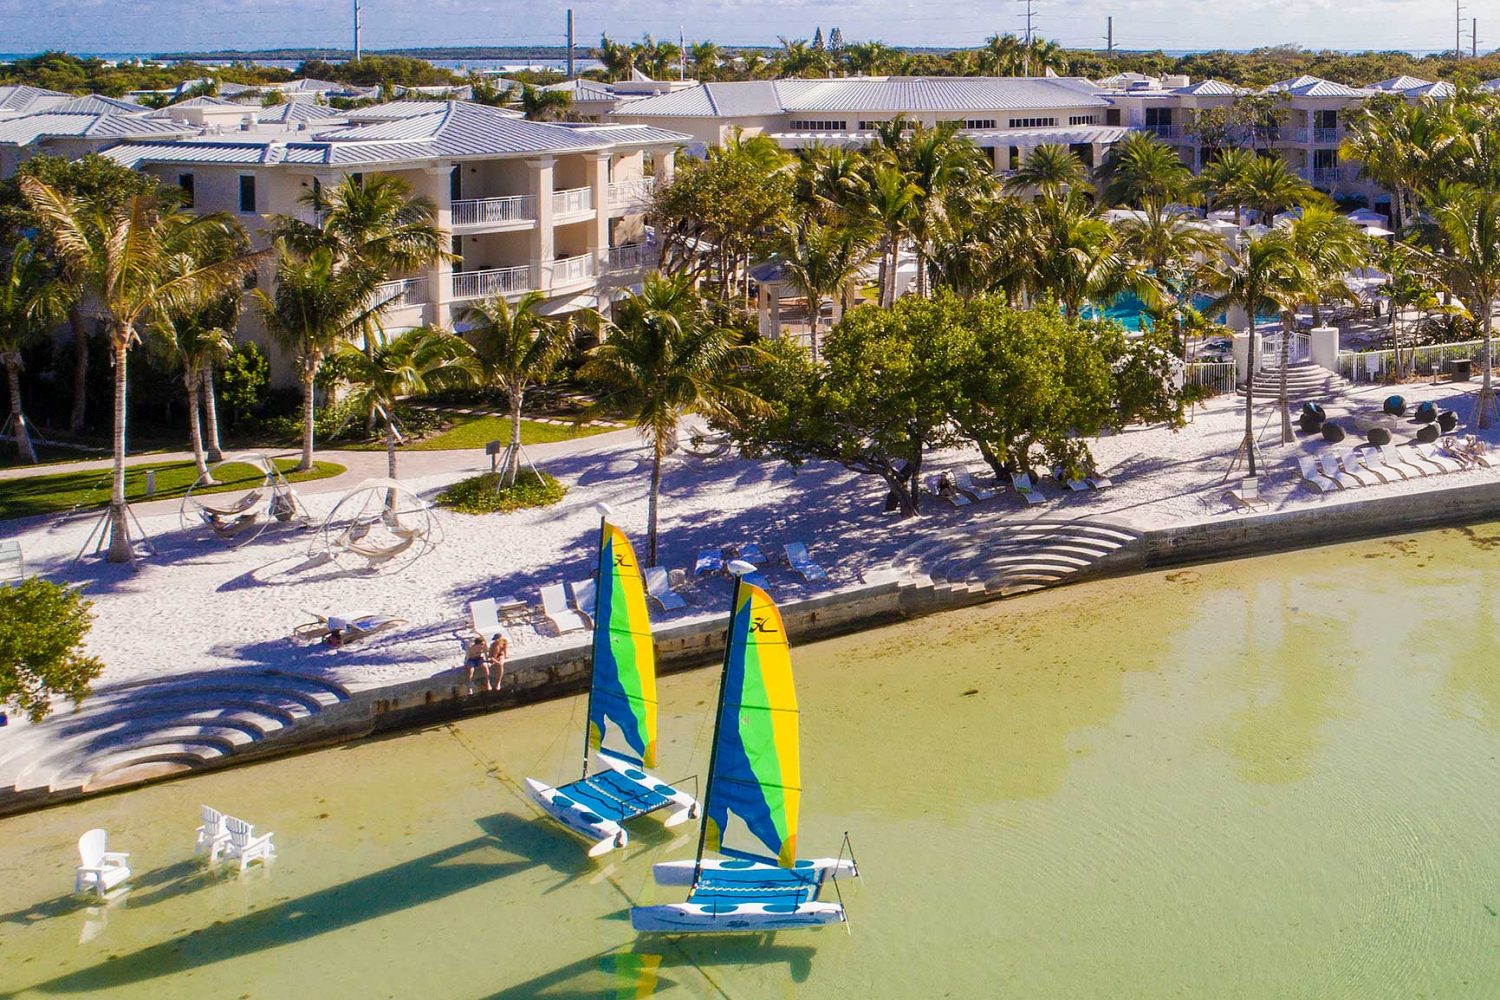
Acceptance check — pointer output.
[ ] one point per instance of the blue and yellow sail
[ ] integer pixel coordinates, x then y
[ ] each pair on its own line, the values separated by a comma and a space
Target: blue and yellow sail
756, 761
624, 683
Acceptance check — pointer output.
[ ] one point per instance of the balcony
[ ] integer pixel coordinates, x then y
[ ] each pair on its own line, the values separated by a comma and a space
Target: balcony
636, 192
1328, 136
496, 281
406, 292
1172, 132
520, 208
573, 201
634, 257
568, 270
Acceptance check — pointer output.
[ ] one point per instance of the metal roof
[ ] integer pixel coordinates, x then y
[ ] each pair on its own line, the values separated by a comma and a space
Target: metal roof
584, 90
28, 129
1399, 83
134, 154
19, 97
299, 111
1210, 88
1313, 86
99, 104
635, 135
986, 139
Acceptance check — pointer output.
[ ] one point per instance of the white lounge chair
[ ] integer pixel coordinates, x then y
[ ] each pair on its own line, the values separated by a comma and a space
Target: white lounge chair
1026, 489
484, 618
1429, 454
555, 609
213, 835
1391, 457
709, 561
751, 553
801, 562
1312, 477
1247, 495
1076, 485
352, 628
1354, 463
1372, 458
953, 496
966, 483
659, 589
1097, 481
1329, 463
584, 597
245, 846
102, 869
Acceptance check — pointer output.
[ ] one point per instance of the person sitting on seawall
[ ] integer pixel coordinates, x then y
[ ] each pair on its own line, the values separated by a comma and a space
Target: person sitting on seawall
499, 650
476, 657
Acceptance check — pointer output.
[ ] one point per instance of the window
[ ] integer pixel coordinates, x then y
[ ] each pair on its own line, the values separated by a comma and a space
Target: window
1082, 120
1325, 119
1032, 122
817, 125
456, 184
185, 181
1112, 116
247, 194
1156, 117
978, 123
1325, 159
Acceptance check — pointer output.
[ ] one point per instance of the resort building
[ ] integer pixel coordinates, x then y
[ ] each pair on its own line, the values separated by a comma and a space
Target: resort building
529, 206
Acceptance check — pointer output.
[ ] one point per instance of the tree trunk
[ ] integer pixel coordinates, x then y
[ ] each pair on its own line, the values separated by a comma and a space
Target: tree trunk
880, 280
195, 426
17, 418
1485, 405
120, 549
1287, 437
309, 374
1249, 445
390, 446
513, 464
815, 307
211, 415
652, 501
80, 370
1396, 341
921, 273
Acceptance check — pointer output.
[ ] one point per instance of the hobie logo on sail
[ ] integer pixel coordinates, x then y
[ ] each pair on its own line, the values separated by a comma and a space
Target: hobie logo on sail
761, 623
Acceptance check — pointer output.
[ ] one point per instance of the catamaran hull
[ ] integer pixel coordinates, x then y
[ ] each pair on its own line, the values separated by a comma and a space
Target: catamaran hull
682, 872
691, 918
685, 806
604, 834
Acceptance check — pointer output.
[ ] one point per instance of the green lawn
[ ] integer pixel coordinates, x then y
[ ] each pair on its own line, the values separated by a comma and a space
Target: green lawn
474, 432
66, 491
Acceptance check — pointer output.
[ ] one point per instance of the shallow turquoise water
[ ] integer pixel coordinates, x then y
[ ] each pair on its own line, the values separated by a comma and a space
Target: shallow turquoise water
1269, 778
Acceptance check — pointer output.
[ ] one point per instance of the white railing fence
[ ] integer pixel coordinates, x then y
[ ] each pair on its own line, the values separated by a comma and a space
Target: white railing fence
630, 258
489, 211
1215, 375
1299, 348
405, 292
497, 281
1372, 366
630, 192
572, 200
569, 269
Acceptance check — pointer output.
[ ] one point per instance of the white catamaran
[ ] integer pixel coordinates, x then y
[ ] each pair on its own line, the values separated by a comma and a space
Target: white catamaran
755, 775
622, 706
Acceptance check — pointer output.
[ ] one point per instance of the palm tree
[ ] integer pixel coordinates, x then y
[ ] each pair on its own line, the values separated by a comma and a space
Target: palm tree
1271, 187
823, 262
1052, 169
410, 364
194, 344
1173, 246
1140, 168
1224, 179
868, 58
940, 163
664, 359
1396, 144
131, 258
798, 58
1466, 233
1254, 278
617, 58
1081, 259
516, 348
32, 301
539, 104
893, 205
316, 307
707, 59
1002, 55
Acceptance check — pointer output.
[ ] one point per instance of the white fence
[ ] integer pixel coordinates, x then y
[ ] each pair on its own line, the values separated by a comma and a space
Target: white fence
492, 211
1371, 366
630, 258
572, 200
1215, 375
1299, 348
571, 269
631, 192
483, 284
406, 292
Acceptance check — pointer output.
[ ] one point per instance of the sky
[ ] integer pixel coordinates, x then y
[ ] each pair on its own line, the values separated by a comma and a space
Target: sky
165, 25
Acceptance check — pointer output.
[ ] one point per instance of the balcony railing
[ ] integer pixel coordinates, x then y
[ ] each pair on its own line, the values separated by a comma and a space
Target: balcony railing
493, 211
497, 281
631, 258
406, 292
568, 269
1328, 136
631, 192
573, 200
1166, 131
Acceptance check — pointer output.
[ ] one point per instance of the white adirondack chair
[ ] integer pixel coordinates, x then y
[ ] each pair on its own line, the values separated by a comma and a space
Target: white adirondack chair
213, 836
245, 846
102, 869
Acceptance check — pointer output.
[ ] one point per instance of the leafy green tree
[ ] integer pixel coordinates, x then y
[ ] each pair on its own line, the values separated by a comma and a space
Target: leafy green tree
242, 380
413, 363
823, 262
1052, 169
516, 348
1224, 180
662, 359
32, 300
539, 104
1465, 232
43, 626
1142, 168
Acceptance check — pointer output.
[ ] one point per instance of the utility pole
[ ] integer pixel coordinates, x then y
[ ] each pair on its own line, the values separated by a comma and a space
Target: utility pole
357, 50
1474, 37
570, 43
1026, 52
1109, 35
1458, 29
681, 53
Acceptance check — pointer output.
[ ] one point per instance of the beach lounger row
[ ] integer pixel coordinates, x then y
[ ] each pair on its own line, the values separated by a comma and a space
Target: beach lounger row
227, 838
1371, 465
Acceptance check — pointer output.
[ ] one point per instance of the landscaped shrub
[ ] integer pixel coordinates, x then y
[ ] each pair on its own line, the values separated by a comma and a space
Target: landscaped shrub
42, 628
478, 495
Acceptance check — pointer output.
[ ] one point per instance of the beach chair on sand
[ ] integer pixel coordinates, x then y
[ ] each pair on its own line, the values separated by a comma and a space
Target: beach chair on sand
351, 628
1372, 458
555, 609
1026, 489
659, 589
1246, 496
484, 618
966, 484
213, 835
709, 561
1329, 464
1354, 462
1076, 485
1097, 481
1394, 459
801, 563
245, 846
952, 495
1311, 477
1429, 454
102, 869
584, 597
751, 553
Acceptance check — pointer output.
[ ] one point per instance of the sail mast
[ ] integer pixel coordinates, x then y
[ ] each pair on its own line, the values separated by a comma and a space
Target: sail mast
598, 628
713, 750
